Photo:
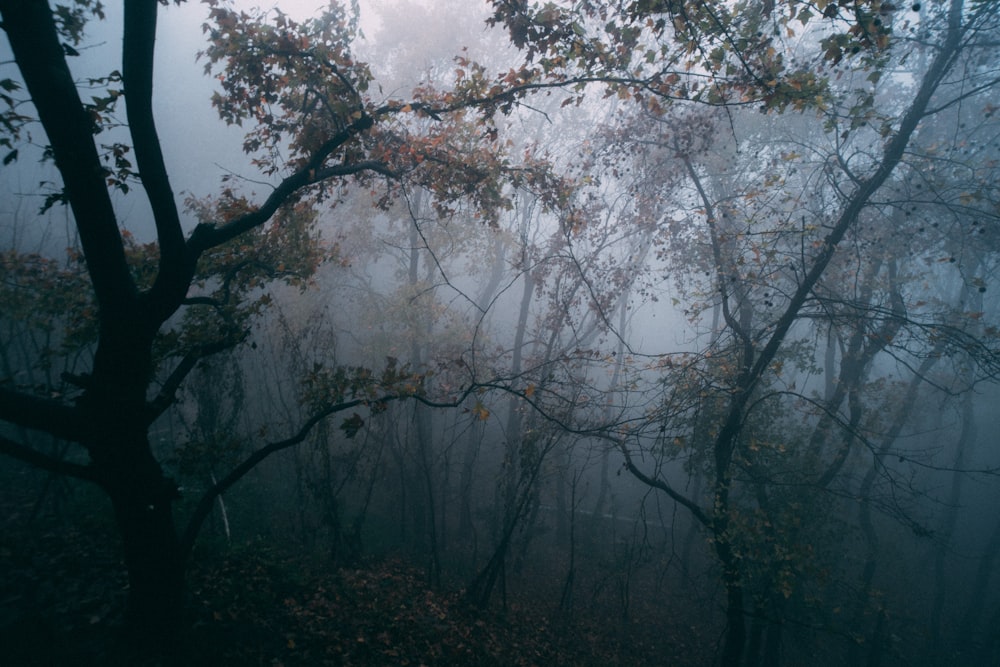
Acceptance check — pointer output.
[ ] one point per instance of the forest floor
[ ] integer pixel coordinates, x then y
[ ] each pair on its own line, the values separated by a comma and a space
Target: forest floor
62, 590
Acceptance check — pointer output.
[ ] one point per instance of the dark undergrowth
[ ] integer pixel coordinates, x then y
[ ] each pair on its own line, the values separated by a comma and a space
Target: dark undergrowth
62, 589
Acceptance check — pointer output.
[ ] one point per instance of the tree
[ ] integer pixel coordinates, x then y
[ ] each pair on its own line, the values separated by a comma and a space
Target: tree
315, 129
767, 292
303, 96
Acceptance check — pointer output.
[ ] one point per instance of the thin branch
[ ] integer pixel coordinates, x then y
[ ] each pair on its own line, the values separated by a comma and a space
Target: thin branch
891, 157
168, 392
208, 235
663, 485
964, 96
207, 500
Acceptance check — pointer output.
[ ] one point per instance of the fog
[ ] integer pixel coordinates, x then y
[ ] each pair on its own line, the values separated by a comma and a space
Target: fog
641, 350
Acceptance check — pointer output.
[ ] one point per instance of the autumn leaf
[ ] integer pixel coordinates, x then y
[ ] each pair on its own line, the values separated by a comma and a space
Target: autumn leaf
352, 425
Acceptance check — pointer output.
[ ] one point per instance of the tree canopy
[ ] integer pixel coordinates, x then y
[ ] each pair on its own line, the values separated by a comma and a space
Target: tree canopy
810, 186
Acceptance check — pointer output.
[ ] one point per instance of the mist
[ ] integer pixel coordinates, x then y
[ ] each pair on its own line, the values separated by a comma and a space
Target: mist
485, 333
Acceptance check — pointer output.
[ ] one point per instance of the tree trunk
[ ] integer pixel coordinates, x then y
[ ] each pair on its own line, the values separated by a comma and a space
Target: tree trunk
725, 444
755, 641
143, 498
736, 630
772, 644
465, 526
963, 449
154, 608
972, 619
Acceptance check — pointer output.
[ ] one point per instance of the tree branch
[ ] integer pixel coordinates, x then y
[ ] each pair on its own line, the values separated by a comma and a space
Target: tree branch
42, 461
656, 483
34, 40
891, 157
207, 236
41, 414
176, 266
356, 168
207, 500
168, 392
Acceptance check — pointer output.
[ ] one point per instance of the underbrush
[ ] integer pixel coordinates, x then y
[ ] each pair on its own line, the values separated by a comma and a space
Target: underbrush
63, 590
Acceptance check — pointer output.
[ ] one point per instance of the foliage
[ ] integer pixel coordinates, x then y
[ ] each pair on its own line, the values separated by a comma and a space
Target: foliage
802, 252
48, 300
297, 84
711, 52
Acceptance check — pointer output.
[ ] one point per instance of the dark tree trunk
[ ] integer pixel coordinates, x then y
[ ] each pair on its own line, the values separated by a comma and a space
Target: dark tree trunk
143, 498
972, 619
154, 609
725, 444
755, 641
963, 450
566, 598
466, 528
772, 644
736, 629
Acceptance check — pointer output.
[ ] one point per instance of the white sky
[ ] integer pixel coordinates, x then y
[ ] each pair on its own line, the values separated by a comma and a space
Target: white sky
198, 147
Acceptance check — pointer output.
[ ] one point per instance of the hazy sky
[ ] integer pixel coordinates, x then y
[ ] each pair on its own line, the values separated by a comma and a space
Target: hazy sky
198, 147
